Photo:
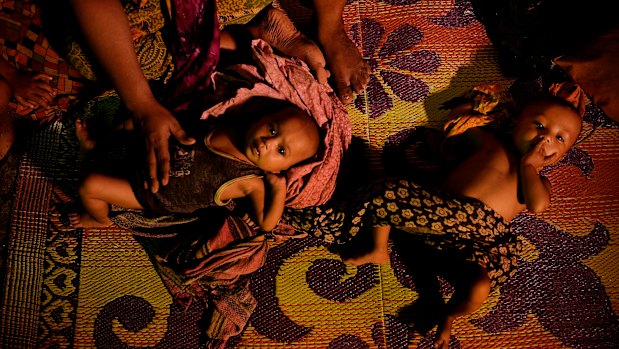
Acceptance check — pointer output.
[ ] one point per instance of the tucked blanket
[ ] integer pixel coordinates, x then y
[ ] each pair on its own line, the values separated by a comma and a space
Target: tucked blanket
290, 79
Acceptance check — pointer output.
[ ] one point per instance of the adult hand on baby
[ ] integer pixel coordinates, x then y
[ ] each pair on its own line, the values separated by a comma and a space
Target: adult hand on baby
157, 125
31, 91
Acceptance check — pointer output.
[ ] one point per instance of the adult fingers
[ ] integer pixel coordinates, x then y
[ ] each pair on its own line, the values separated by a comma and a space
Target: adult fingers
344, 92
151, 161
359, 80
42, 77
180, 134
25, 102
322, 75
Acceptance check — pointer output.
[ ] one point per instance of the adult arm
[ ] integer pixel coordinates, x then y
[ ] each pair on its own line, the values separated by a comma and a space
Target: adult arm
105, 26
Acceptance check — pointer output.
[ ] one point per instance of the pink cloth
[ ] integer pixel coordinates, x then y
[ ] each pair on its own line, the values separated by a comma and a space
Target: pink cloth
290, 79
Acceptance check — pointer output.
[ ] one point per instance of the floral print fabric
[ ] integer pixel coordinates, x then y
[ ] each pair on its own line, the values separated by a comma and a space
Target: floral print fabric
451, 223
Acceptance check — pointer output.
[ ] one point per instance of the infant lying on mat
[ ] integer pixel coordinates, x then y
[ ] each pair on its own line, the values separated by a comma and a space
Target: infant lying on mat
297, 147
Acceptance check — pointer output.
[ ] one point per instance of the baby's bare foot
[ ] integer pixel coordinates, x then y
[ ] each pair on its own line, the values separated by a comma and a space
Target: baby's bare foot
374, 256
273, 26
350, 71
85, 220
443, 333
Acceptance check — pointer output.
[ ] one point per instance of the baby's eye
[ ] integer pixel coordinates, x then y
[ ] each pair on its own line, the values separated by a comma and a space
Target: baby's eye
560, 139
271, 131
281, 150
538, 124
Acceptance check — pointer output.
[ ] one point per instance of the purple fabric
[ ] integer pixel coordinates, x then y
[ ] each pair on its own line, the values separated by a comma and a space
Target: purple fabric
194, 45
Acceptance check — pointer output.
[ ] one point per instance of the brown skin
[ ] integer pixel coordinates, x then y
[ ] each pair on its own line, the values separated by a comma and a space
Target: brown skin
275, 143
29, 90
508, 181
106, 29
350, 71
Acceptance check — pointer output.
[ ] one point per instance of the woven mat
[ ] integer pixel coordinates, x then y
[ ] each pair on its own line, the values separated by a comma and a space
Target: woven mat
97, 288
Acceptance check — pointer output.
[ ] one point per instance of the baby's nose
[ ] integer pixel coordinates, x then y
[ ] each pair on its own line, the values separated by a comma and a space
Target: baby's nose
268, 142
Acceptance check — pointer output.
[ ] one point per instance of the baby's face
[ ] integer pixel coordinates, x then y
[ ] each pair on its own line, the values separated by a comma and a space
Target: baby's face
543, 121
281, 140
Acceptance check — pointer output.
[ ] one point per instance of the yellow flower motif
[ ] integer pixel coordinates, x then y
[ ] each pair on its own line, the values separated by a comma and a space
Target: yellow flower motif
362, 212
396, 220
329, 238
406, 213
392, 207
422, 220
356, 220
390, 185
469, 208
461, 216
389, 194
409, 224
438, 200
415, 202
378, 201
481, 213
437, 226
354, 231
381, 213
403, 193
428, 202
441, 211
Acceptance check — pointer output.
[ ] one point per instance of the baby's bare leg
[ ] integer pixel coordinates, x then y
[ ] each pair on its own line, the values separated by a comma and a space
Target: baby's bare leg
273, 26
350, 71
380, 251
97, 192
472, 286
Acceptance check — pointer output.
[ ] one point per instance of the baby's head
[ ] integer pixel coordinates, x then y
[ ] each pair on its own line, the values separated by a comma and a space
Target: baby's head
280, 140
547, 119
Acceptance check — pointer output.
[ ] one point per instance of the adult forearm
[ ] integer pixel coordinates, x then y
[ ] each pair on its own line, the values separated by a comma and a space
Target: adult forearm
106, 29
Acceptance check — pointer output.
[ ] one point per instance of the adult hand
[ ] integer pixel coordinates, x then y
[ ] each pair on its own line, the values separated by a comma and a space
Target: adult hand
273, 26
31, 91
158, 124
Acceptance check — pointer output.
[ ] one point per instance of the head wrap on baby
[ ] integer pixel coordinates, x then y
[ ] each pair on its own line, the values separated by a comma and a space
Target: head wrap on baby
570, 92
290, 79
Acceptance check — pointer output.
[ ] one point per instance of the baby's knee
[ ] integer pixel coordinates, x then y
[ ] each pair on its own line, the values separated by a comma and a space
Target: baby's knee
90, 184
480, 288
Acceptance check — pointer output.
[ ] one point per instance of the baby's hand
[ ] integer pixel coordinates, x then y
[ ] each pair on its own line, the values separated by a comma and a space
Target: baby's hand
276, 181
538, 157
32, 90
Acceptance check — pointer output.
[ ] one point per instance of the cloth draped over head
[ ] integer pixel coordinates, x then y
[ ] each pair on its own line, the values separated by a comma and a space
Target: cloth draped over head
289, 79
572, 93
491, 104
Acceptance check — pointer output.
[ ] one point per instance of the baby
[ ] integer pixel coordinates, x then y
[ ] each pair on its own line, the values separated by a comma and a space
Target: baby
233, 161
503, 176
494, 177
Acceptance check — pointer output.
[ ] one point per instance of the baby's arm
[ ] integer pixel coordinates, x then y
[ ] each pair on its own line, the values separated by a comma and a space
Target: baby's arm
535, 188
269, 200
29, 90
